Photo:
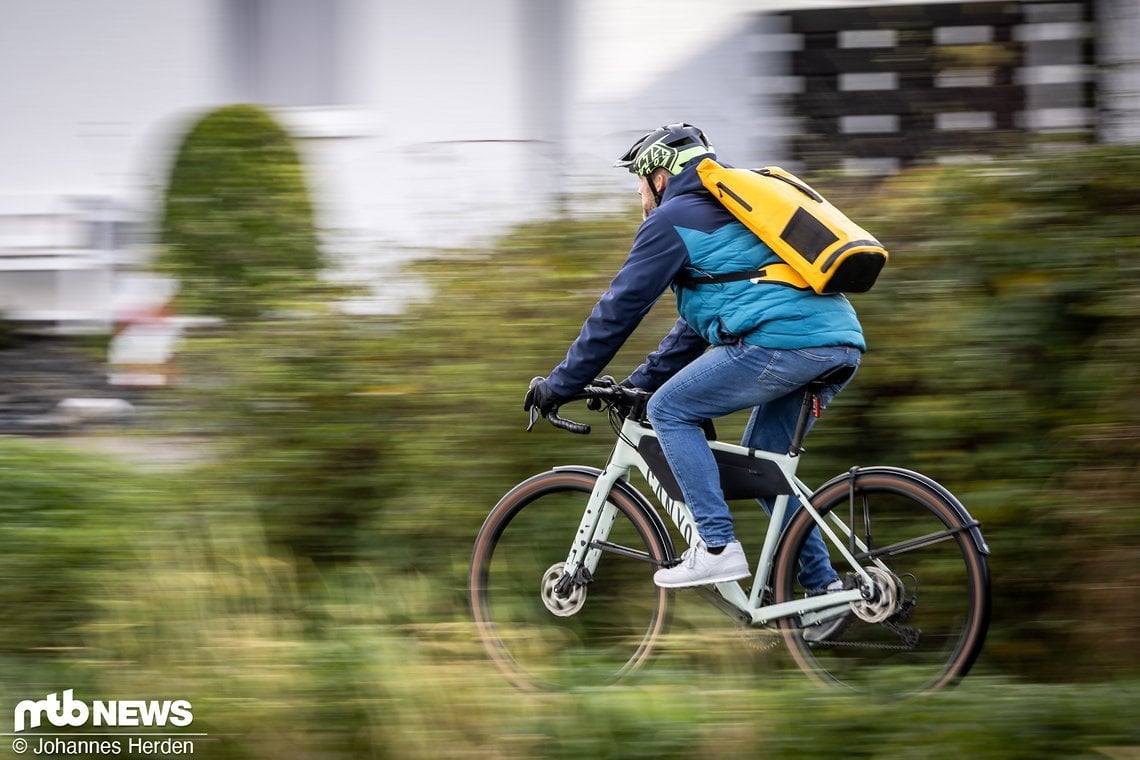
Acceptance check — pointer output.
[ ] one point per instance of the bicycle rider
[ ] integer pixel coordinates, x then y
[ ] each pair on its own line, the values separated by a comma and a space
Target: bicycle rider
736, 346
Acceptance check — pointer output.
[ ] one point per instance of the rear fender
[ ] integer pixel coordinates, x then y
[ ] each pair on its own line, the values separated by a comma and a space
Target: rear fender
973, 528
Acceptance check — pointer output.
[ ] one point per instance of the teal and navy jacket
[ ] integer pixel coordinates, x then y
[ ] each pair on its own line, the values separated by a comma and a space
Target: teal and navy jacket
691, 233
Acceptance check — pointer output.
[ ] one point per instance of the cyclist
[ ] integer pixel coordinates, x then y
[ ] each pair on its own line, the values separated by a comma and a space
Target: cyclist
767, 341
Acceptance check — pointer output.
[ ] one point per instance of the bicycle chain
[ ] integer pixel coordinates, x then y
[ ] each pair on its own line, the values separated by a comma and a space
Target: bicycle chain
909, 636
762, 641
858, 645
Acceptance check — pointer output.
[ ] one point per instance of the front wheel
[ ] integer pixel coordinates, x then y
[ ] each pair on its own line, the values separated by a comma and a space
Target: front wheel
542, 631
924, 620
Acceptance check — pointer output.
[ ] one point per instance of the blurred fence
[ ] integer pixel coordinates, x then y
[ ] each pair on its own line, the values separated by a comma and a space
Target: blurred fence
882, 87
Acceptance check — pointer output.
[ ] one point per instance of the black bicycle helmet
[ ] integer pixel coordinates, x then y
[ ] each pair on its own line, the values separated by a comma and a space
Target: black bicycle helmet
669, 147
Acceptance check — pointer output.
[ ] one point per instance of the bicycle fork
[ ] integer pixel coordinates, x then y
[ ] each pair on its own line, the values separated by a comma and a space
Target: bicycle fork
597, 520
591, 540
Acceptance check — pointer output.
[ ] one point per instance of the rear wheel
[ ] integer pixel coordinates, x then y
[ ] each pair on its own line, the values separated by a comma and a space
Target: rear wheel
540, 628
925, 621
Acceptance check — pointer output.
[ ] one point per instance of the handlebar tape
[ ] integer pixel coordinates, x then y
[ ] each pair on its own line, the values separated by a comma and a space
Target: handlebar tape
568, 425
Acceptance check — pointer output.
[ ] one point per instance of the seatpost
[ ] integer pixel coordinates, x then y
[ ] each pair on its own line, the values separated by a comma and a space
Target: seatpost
808, 408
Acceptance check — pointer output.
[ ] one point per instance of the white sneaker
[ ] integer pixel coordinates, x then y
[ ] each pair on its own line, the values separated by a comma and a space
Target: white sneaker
698, 567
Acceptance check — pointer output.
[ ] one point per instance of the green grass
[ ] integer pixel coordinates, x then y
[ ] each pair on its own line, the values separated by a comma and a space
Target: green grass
282, 659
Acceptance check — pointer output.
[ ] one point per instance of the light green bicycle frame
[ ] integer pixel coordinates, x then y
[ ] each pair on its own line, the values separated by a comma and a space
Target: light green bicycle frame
600, 514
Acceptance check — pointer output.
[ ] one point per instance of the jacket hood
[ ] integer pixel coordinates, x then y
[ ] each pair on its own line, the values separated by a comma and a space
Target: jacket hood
687, 180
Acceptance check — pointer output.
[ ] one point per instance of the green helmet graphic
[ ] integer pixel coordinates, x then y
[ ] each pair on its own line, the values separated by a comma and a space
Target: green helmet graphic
669, 147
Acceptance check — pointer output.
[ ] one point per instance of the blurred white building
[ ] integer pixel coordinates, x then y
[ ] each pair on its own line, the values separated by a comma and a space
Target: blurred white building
424, 124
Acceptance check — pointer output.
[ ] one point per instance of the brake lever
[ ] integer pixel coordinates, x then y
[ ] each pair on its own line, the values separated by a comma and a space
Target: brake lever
605, 382
534, 415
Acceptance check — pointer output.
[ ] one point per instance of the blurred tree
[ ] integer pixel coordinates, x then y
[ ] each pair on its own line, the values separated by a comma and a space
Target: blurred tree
281, 385
237, 227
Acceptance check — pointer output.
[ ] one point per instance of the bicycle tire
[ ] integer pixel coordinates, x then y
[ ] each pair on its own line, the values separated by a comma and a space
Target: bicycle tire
935, 627
523, 538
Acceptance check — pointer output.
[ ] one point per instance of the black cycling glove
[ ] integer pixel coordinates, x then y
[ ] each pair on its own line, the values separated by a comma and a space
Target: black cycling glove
539, 396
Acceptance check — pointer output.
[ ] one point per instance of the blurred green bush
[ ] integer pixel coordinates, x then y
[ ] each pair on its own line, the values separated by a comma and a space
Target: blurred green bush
237, 228
69, 522
303, 431
1005, 361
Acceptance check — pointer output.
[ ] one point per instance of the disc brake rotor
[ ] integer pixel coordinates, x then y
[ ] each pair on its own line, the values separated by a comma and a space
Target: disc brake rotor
558, 605
888, 593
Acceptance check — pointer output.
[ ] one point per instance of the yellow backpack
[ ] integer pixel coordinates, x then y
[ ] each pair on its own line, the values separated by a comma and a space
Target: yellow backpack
823, 249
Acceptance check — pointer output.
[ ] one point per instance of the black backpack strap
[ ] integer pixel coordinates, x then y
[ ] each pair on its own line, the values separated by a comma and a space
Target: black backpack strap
779, 274
689, 280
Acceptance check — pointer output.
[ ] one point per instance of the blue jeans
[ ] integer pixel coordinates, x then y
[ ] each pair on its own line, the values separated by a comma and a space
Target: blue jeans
726, 379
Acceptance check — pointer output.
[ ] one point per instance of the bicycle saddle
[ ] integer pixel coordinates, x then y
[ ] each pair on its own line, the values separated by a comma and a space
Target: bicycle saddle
834, 376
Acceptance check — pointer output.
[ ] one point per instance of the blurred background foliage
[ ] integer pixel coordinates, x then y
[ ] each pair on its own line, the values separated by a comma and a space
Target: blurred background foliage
301, 578
237, 226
